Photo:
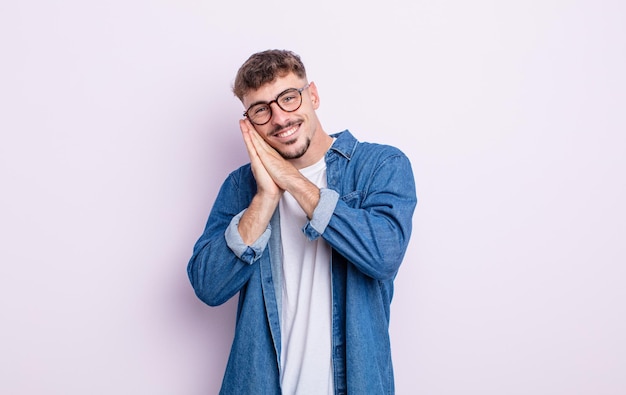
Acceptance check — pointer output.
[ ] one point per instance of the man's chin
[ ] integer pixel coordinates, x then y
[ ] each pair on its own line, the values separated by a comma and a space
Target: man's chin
295, 153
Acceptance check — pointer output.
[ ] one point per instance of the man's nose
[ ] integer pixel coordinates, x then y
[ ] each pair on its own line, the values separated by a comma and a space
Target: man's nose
278, 114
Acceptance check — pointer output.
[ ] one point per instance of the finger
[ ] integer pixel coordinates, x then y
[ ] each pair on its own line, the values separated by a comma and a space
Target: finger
245, 127
261, 146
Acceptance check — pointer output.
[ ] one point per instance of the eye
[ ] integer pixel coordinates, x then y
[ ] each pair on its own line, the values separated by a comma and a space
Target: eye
288, 97
260, 109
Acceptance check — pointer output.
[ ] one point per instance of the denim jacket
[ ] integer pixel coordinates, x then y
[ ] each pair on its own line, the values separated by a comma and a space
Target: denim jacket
365, 215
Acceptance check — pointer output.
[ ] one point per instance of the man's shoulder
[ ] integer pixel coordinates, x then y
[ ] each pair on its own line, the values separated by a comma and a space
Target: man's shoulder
352, 147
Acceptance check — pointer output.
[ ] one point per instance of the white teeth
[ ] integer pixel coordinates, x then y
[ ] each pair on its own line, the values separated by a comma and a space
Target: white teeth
287, 133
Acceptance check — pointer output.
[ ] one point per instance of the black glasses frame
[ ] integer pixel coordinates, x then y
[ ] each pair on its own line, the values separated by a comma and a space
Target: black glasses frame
269, 104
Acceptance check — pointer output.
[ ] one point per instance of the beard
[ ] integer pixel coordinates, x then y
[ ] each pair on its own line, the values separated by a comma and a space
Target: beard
297, 154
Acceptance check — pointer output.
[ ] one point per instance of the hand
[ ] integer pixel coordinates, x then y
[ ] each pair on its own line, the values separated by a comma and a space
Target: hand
272, 169
265, 183
280, 170
283, 173
259, 213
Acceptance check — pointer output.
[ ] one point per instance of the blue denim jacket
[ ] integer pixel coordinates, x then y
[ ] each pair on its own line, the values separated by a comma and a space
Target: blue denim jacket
365, 214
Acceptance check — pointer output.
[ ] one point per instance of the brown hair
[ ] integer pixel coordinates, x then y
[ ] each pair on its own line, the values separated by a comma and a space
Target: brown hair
264, 67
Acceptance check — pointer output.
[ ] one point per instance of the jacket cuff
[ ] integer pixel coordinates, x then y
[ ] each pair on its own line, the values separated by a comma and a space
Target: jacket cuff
322, 214
247, 253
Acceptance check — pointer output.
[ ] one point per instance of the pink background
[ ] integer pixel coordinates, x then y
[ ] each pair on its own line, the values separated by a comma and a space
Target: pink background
118, 127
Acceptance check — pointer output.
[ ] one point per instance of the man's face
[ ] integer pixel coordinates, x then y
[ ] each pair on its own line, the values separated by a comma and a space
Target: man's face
289, 133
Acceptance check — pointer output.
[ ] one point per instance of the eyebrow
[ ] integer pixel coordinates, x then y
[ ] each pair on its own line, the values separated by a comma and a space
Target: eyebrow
269, 101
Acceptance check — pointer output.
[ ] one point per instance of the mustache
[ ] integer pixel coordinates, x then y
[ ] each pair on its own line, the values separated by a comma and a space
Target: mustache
287, 125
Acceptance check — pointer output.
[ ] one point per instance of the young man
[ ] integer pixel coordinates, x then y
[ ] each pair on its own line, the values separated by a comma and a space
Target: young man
311, 234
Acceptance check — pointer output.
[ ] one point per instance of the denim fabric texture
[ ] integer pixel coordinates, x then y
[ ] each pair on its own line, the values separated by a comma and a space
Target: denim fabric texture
365, 214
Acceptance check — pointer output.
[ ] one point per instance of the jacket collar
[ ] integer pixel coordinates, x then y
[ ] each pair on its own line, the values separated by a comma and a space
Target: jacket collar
345, 144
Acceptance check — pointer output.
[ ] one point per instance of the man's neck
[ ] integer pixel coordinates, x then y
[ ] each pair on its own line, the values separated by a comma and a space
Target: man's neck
319, 146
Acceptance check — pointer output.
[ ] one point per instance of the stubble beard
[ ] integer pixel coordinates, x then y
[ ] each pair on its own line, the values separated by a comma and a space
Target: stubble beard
297, 154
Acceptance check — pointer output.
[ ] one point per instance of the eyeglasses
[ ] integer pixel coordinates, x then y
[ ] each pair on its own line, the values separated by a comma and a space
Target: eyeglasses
288, 100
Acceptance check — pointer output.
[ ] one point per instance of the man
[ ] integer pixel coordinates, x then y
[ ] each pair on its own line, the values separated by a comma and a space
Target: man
311, 234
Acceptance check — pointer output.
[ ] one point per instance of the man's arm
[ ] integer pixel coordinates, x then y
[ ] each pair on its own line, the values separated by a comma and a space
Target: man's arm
215, 270
256, 218
371, 226
235, 236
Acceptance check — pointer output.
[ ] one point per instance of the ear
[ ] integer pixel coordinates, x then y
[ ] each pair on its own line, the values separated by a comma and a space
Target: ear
315, 98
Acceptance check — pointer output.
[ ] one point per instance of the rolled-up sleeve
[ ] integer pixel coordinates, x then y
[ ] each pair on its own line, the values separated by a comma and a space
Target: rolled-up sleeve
322, 214
247, 253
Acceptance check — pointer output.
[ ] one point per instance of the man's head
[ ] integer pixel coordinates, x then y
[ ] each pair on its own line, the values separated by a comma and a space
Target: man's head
264, 67
280, 104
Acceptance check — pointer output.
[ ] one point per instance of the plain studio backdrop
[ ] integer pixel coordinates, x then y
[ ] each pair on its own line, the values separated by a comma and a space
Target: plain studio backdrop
118, 126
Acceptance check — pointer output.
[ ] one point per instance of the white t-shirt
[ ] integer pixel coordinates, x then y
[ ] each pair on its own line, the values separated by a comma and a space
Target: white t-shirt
306, 300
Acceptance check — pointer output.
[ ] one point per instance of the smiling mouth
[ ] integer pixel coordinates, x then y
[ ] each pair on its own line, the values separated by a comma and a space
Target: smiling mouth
287, 132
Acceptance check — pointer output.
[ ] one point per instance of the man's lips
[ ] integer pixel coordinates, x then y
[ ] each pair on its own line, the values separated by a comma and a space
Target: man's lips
287, 132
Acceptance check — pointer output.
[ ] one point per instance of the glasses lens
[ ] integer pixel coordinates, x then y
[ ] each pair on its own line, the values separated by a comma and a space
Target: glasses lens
289, 100
259, 114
